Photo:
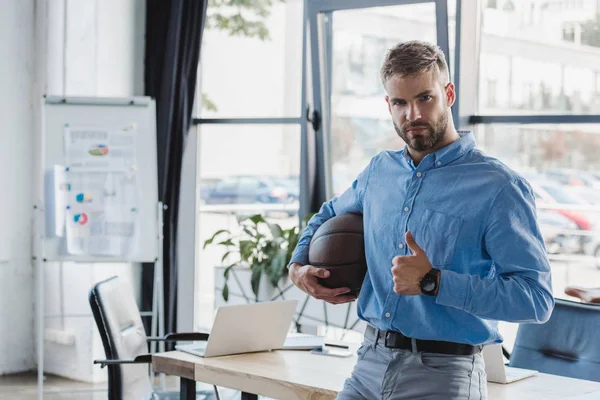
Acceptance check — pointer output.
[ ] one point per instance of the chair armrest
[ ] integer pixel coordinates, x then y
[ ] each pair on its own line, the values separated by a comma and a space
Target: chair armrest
141, 359
174, 337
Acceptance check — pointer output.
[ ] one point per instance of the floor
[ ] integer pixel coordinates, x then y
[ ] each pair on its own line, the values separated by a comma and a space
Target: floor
24, 387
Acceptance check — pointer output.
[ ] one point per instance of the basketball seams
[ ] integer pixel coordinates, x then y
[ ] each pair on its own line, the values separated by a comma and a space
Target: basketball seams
328, 233
351, 264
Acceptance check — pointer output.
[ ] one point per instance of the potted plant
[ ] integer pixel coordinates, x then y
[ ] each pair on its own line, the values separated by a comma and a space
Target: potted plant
262, 246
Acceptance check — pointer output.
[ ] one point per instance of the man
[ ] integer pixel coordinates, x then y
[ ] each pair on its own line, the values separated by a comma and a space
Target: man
451, 241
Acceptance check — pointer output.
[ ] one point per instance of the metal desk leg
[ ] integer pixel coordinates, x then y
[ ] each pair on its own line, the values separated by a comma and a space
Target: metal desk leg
249, 396
187, 389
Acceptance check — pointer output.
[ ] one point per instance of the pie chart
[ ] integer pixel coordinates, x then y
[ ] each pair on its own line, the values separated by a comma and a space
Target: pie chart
83, 198
81, 219
98, 150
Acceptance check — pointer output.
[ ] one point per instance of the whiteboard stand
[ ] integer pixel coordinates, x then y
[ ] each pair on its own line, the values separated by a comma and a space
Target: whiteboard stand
39, 264
60, 116
158, 309
159, 291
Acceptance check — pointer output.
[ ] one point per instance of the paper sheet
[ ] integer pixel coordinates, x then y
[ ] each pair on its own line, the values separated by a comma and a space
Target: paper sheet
101, 213
93, 149
95, 202
60, 192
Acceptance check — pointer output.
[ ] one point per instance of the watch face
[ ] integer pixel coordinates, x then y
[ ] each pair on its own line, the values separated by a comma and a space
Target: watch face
428, 284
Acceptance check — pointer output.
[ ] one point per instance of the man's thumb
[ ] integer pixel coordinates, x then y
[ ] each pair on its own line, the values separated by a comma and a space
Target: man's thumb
320, 272
412, 244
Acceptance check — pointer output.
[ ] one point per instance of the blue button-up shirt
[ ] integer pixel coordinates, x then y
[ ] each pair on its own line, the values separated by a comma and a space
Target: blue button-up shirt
476, 220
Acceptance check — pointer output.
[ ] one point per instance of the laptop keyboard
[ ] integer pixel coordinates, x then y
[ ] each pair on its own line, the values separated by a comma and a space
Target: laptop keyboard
303, 341
516, 373
200, 346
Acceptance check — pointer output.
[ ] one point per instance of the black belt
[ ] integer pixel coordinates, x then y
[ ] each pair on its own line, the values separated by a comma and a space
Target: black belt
396, 340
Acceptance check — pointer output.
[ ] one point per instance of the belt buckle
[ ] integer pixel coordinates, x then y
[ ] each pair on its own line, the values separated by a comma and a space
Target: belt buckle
388, 336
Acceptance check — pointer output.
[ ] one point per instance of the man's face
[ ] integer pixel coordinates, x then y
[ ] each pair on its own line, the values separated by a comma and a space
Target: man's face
419, 108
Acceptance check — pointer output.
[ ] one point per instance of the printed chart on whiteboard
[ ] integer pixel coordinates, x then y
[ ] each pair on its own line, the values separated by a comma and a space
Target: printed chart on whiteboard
96, 193
94, 149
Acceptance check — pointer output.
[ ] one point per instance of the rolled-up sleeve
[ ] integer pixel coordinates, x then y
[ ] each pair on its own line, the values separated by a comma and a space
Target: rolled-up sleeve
351, 201
519, 289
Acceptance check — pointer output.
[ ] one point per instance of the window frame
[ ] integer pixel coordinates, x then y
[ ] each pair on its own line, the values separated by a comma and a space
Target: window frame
468, 24
321, 34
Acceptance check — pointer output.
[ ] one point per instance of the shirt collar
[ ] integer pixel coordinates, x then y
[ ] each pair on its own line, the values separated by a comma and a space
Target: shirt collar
445, 155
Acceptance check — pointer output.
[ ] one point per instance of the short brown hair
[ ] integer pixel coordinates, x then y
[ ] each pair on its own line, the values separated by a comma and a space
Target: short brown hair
413, 57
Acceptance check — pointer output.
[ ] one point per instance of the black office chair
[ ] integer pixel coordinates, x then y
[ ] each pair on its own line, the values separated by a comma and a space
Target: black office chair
568, 344
126, 344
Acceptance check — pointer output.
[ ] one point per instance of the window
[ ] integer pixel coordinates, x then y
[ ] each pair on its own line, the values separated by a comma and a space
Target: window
537, 110
254, 169
560, 162
547, 66
360, 121
508, 6
492, 93
249, 124
251, 62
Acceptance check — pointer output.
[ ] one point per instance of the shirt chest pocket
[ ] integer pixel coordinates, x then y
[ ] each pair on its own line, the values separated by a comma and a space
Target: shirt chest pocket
438, 236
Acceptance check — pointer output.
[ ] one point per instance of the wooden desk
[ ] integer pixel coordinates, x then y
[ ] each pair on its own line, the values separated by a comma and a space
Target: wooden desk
301, 375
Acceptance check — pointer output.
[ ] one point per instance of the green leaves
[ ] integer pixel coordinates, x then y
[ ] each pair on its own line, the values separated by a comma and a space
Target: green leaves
277, 268
245, 18
207, 103
226, 242
246, 249
225, 292
255, 278
263, 246
217, 233
276, 230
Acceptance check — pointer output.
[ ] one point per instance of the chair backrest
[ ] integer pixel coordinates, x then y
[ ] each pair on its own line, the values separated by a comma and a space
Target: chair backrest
568, 344
120, 324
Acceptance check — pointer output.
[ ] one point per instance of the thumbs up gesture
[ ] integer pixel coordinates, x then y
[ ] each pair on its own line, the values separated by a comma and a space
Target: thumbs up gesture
408, 271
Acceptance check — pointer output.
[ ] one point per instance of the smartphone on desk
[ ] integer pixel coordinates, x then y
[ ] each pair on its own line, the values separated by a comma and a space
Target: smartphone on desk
335, 352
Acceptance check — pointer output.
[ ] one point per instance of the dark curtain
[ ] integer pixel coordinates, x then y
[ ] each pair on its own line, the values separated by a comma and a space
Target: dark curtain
173, 37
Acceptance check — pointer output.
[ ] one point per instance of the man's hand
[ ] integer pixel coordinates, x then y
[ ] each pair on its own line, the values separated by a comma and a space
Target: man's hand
409, 270
305, 277
587, 295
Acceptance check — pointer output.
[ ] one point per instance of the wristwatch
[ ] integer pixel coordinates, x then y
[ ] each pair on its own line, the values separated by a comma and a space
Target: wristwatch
430, 282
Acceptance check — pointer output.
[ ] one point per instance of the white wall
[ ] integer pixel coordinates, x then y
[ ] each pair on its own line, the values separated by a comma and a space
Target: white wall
85, 48
17, 70
95, 48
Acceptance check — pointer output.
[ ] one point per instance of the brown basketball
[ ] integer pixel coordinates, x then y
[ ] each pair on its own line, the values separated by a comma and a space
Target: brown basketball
338, 245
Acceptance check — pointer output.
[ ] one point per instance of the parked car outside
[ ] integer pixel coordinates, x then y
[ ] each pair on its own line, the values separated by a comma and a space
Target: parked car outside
246, 190
572, 177
555, 229
249, 190
552, 196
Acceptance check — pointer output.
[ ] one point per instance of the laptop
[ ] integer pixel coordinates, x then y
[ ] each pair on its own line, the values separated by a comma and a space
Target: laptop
246, 328
303, 341
495, 369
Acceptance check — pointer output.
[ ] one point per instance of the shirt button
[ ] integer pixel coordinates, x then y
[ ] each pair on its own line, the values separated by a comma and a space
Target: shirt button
406, 209
387, 315
401, 245
439, 163
419, 174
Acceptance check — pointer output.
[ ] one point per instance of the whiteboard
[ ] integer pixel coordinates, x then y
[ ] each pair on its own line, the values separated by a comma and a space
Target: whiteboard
61, 112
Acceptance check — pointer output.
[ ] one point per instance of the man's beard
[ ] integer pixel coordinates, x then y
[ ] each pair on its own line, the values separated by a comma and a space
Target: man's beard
424, 142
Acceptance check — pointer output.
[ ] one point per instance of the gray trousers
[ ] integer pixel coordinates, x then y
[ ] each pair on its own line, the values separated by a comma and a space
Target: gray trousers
395, 374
